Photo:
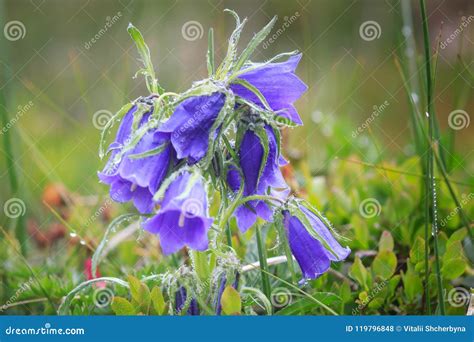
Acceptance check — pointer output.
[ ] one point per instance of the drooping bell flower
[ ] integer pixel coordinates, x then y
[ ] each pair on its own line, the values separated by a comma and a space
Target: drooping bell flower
191, 123
313, 256
182, 219
180, 300
278, 84
251, 156
137, 179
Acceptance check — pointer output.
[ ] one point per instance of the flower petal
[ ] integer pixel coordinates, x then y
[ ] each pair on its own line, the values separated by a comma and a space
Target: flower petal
191, 123
279, 85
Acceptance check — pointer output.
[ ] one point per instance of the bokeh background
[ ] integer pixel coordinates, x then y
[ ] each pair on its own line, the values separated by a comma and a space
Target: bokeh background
68, 78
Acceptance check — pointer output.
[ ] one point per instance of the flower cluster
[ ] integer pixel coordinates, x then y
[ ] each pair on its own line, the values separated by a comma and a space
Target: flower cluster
172, 152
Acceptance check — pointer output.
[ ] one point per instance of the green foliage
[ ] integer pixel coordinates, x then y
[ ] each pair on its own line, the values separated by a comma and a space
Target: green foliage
231, 302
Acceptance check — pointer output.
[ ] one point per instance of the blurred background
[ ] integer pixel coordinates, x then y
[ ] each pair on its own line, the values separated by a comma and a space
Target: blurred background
76, 58
67, 66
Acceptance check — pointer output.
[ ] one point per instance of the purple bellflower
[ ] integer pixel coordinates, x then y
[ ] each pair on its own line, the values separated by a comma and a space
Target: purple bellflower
251, 157
278, 84
180, 300
137, 179
191, 123
182, 219
312, 256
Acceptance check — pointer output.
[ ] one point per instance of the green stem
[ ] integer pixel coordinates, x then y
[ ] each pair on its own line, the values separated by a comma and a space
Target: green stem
263, 264
261, 198
432, 181
20, 230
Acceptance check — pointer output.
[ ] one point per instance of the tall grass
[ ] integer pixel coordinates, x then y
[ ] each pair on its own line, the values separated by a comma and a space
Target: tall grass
7, 136
431, 201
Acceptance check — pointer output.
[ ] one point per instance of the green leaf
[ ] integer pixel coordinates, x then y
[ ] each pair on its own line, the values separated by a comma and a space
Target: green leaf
229, 59
256, 40
361, 232
453, 250
149, 72
157, 300
210, 53
412, 284
384, 264
135, 286
149, 153
201, 264
122, 307
417, 251
254, 90
140, 294
231, 302
453, 269
458, 235
263, 137
386, 241
358, 272
345, 292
